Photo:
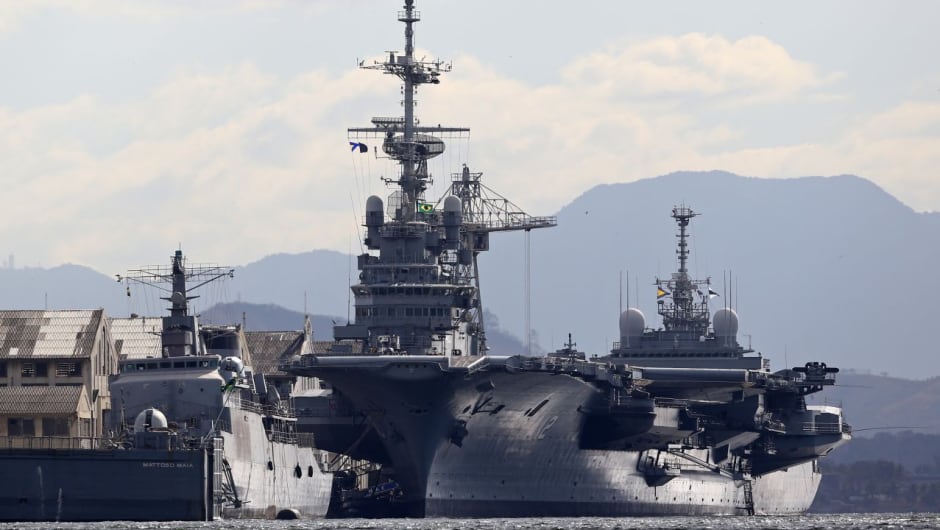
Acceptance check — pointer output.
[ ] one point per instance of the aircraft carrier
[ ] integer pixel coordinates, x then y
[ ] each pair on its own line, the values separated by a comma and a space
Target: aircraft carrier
197, 436
679, 420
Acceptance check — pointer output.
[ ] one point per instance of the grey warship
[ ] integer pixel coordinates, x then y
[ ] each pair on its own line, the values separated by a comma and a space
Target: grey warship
680, 420
196, 435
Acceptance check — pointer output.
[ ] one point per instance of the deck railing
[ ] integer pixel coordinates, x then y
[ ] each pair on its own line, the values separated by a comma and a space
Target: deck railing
54, 442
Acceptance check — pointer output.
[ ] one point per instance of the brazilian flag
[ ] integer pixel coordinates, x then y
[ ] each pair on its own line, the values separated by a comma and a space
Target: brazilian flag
424, 207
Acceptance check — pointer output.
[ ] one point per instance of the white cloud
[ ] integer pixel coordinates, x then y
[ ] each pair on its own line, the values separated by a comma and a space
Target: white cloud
237, 163
751, 70
13, 11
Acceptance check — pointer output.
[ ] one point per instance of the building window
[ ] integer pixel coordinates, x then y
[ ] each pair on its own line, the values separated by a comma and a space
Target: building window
20, 427
55, 427
68, 369
31, 369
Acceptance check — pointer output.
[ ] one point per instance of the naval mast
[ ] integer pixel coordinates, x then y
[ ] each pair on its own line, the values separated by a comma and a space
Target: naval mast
421, 294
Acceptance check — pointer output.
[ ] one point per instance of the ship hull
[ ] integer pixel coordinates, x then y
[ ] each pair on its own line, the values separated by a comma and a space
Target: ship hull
501, 444
94, 485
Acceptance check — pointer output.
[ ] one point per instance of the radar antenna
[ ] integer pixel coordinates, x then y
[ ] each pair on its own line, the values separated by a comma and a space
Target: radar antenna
404, 140
176, 275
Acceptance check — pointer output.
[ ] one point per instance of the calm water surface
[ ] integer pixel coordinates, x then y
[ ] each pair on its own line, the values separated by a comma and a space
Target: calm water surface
835, 521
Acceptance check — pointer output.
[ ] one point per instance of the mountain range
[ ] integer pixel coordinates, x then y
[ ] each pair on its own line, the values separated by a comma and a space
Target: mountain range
818, 268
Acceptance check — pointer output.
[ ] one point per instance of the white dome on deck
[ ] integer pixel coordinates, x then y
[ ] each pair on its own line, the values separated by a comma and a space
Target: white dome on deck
632, 323
150, 420
725, 322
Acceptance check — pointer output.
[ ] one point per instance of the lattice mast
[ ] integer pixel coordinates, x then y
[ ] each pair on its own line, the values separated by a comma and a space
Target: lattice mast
677, 299
405, 140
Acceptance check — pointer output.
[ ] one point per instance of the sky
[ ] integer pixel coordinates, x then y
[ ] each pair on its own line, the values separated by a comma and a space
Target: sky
129, 129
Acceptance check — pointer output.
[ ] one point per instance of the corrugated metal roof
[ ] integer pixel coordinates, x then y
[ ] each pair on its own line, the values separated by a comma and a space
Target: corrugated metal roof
267, 348
48, 333
138, 338
39, 400
337, 347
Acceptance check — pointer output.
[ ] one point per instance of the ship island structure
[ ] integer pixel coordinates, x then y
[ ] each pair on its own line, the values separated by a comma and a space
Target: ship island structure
679, 420
413, 417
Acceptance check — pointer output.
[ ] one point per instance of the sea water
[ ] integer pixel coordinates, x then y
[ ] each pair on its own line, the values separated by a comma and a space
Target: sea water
834, 521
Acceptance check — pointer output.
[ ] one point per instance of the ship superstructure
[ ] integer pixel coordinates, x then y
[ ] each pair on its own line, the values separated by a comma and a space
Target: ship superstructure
420, 293
690, 336
657, 427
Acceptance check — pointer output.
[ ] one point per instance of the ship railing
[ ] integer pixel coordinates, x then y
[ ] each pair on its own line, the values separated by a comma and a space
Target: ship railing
305, 439
822, 427
403, 230
278, 435
671, 403
55, 442
250, 405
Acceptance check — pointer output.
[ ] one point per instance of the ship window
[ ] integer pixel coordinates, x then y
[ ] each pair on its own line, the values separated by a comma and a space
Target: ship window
190, 364
409, 291
179, 364
391, 311
424, 311
3, 369
164, 364
409, 312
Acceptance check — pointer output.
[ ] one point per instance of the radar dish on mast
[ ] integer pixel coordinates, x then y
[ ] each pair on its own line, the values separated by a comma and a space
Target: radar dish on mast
425, 147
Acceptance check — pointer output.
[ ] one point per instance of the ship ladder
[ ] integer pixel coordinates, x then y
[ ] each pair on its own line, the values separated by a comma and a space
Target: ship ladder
748, 497
229, 491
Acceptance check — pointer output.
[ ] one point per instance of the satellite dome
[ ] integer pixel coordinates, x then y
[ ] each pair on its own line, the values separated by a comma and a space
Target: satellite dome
632, 323
374, 204
232, 364
150, 420
453, 204
725, 322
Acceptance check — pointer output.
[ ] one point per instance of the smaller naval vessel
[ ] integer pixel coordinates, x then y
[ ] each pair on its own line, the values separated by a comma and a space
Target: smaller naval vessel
196, 435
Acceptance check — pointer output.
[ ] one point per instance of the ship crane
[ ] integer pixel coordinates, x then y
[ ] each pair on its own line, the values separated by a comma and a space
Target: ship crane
485, 211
